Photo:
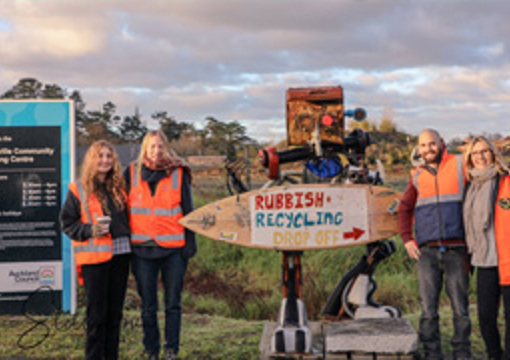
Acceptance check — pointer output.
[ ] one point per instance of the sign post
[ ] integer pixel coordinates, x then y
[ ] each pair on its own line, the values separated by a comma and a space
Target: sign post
36, 166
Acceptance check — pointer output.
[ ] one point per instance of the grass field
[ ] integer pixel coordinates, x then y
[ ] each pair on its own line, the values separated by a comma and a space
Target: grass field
229, 293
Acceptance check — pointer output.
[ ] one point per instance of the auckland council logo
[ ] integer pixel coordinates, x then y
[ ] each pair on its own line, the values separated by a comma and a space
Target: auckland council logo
47, 275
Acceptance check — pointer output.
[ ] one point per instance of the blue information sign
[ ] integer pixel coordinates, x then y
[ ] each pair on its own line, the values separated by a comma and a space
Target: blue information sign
36, 166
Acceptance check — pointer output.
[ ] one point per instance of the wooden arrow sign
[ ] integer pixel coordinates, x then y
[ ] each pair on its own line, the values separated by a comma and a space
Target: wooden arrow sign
300, 217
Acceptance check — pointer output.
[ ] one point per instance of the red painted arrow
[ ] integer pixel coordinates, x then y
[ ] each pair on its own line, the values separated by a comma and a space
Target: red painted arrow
354, 234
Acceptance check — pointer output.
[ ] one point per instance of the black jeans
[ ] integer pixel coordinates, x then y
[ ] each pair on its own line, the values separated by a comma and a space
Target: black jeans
450, 267
105, 289
488, 293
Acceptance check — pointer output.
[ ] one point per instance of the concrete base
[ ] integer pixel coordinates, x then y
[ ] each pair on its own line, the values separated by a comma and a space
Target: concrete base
384, 336
364, 339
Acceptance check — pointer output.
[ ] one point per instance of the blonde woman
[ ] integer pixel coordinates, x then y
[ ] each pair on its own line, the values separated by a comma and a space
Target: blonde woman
95, 216
159, 195
486, 219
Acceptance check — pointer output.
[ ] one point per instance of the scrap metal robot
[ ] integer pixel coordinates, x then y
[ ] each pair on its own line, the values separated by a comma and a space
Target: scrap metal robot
316, 138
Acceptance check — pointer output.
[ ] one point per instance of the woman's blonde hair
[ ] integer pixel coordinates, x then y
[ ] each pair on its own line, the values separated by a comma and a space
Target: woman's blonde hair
168, 155
114, 180
497, 158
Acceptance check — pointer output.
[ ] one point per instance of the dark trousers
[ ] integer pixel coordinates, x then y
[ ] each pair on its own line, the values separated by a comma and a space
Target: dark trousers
489, 293
436, 267
172, 268
105, 289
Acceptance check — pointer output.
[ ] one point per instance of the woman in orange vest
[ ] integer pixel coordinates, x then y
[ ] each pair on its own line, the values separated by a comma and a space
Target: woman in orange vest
159, 187
95, 216
486, 219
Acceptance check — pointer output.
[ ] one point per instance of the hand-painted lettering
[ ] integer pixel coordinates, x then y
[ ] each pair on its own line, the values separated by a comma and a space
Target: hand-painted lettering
319, 217
270, 220
299, 204
289, 200
291, 238
297, 223
308, 222
260, 220
339, 217
289, 204
309, 199
258, 202
328, 218
279, 219
319, 199
327, 237
269, 203
297, 220
279, 201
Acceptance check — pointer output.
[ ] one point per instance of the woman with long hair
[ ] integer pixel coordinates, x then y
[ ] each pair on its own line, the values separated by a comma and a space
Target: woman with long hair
486, 217
159, 187
95, 217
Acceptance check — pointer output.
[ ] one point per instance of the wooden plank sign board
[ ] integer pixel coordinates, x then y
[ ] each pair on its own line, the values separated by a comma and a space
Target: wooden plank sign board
300, 217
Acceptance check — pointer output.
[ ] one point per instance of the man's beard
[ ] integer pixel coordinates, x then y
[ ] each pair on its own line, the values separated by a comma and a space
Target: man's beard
435, 160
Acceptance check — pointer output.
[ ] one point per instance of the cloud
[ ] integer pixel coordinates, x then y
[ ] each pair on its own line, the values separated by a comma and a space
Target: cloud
445, 64
42, 32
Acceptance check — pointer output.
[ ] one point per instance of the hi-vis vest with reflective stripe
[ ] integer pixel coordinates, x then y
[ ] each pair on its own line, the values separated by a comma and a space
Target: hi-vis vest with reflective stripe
438, 211
156, 217
502, 229
93, 250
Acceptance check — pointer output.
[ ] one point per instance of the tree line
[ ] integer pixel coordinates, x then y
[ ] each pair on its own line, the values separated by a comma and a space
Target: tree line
392, 145
215, 138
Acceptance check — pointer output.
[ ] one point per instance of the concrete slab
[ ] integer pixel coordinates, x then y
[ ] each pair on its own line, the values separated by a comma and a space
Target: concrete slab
364, 339
382, 336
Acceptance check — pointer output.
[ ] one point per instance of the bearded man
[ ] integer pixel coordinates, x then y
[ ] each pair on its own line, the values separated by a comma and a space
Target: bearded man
433, 203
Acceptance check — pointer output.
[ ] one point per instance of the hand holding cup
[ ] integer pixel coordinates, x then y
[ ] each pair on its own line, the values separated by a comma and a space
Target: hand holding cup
102, 227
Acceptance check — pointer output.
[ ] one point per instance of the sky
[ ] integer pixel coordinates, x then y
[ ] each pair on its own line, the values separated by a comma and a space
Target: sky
443, 64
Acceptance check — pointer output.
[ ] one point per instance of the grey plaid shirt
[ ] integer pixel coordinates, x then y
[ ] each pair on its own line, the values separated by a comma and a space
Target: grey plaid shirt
121, 245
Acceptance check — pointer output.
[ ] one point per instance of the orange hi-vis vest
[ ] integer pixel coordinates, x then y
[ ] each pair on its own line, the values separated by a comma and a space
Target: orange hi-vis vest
156, 217
93, 250
438, 211
502, 229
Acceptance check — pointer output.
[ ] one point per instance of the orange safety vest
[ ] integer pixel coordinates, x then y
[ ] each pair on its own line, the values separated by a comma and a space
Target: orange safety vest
502, 229
93, 250
156, 217
438, 211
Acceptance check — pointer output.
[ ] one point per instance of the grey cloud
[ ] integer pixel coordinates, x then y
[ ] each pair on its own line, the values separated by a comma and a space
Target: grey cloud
234, 60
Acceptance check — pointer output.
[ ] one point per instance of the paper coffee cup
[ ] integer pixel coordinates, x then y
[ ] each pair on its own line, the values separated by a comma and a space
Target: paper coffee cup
104, 220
